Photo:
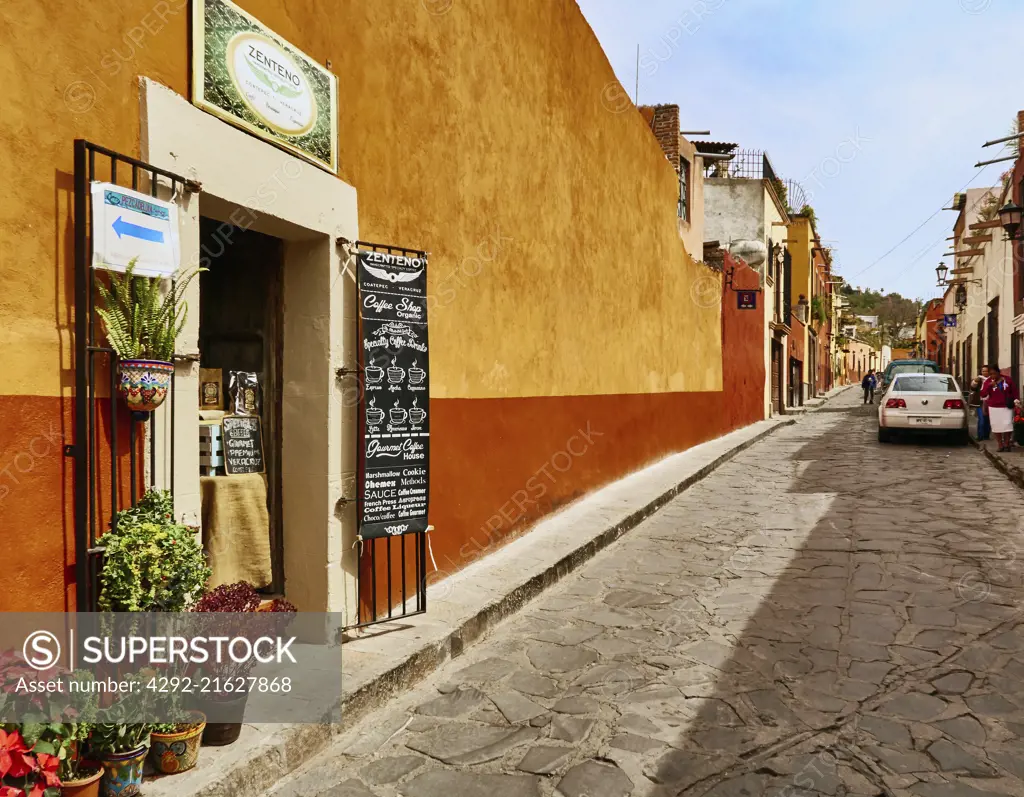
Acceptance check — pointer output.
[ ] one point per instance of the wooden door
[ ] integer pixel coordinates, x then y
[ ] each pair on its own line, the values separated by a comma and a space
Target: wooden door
776, 378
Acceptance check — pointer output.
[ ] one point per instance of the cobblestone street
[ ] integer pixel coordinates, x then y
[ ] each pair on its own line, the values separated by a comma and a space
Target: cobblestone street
823, 615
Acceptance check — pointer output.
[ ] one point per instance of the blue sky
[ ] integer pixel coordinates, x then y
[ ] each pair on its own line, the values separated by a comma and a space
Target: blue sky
877, 107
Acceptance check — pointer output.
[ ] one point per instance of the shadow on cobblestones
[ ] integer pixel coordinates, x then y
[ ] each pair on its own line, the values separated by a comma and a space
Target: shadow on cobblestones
878, 653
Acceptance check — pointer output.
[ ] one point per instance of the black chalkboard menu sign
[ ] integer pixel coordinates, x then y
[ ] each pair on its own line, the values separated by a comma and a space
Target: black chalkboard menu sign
394, 410
243, 444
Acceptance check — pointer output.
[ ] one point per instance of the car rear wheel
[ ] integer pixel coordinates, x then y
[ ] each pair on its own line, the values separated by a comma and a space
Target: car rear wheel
962, 438
884, 435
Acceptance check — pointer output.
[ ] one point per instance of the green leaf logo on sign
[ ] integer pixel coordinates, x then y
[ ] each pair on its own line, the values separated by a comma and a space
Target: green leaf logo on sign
271, 84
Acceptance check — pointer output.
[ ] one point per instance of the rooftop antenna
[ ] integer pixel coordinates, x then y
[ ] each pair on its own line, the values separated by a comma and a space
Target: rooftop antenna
636, 93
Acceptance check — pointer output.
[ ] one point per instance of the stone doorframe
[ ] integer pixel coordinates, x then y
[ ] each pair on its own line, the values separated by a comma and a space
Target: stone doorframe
251, 184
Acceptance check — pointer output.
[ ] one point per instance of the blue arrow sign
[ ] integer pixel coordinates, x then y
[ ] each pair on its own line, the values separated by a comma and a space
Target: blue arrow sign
122, 227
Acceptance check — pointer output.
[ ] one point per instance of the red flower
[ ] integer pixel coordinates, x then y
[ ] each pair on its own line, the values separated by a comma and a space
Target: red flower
13, 758
48, 766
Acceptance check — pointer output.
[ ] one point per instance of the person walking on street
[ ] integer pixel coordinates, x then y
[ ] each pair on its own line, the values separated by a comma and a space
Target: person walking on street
868, 383
980, 405
1000, 392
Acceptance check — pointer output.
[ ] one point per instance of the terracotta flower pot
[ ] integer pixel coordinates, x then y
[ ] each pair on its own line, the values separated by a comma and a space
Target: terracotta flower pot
122, 773
87, 786
144, 383
176, 752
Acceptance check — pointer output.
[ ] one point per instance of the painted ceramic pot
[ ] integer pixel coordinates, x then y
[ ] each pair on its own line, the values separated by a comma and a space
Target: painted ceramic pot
122, 773
178, 751
144, 383
88, 786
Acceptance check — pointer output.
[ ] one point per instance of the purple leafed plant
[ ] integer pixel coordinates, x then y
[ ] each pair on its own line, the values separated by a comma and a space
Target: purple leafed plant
237, 597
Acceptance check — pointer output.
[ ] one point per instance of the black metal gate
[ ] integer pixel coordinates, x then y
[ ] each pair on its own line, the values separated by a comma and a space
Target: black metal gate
385, 597
101, 421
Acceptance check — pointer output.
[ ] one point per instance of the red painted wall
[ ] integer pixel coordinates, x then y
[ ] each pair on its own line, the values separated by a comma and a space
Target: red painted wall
37, 521
796, 339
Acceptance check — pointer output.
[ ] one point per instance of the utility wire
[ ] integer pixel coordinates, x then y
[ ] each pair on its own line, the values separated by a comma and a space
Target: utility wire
909, 235
941, 237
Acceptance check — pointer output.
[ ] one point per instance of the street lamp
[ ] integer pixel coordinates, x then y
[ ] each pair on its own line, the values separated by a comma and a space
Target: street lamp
941, 272
1009, 217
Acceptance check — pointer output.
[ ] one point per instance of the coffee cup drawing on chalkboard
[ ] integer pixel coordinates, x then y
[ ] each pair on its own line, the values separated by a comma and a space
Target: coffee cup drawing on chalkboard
395, 374
416, 415
373, 373
416, 375
374, 415
397, 414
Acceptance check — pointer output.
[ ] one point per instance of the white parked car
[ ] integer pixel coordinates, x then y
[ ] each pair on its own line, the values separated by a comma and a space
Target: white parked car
923, 403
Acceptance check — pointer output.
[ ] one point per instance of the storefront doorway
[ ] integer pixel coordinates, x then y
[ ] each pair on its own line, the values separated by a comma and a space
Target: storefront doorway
304, 213
796, 387
240, 332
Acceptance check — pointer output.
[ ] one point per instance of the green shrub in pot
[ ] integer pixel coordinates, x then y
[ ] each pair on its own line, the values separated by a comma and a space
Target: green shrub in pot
151, 563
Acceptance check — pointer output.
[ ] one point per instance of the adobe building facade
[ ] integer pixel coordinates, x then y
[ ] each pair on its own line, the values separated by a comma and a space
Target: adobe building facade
572, 333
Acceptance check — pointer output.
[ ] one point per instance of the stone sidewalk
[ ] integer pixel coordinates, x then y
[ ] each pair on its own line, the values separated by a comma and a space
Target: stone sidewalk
821, 616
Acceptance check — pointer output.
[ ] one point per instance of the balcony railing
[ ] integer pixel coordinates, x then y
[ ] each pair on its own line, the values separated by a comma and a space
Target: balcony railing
754, 164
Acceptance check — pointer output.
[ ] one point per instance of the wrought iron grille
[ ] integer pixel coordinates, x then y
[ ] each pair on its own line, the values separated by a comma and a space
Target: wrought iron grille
795, 196
754, 164
108, 474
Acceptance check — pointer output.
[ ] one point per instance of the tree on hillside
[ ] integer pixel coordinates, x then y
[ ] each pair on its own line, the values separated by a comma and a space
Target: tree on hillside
862, 302
895, 315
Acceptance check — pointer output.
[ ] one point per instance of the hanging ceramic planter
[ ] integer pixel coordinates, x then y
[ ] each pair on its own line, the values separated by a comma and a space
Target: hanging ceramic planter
143, 383
142, 323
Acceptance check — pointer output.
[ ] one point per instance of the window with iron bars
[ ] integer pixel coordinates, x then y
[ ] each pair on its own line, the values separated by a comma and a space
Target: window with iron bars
684, 189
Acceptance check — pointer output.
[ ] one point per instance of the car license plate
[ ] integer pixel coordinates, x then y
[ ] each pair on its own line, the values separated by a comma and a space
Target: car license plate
924, 420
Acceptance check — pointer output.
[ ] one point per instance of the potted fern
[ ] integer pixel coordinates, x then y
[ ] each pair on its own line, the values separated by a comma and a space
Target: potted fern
142, 324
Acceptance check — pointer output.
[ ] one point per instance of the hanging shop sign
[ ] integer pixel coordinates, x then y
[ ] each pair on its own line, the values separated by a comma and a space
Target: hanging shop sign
249, 76
243, 444
949, 319
746, 300
394, 479
129, 225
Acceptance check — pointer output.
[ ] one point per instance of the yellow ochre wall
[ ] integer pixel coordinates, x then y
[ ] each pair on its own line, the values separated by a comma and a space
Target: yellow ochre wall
486, 123
490, 132
801, 241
